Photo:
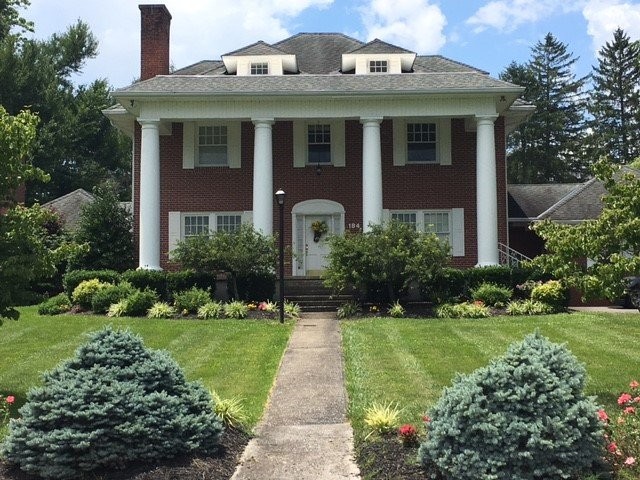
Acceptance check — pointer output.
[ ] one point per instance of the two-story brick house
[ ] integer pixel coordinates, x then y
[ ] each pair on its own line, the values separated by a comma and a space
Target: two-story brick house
355, 134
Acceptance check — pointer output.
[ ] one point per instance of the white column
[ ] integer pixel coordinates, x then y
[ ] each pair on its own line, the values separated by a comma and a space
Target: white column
371, 173
263, 177
486, 192
149, 247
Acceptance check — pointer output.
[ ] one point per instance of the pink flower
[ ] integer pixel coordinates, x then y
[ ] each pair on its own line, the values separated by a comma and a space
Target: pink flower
636, 400
11, 399
630, 461
634, 384
602, 415
426, 419
624, 398
629, 410
612, 447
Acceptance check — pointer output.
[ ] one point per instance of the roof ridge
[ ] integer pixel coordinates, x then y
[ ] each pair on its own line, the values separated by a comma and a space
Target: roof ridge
79, 191
254, 44
299, 34
569, 196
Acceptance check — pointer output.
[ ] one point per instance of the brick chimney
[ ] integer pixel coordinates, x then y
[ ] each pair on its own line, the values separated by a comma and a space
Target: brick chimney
155, 22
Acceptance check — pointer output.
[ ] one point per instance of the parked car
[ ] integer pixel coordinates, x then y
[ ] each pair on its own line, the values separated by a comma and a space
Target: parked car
632, 297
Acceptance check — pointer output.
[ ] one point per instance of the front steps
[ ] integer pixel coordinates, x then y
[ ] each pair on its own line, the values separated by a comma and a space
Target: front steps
312, 295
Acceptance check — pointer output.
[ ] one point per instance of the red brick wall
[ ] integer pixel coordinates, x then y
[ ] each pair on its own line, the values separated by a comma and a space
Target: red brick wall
155, 21
410, 186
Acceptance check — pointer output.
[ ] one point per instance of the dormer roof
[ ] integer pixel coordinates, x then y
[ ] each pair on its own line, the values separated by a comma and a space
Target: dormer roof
378, 46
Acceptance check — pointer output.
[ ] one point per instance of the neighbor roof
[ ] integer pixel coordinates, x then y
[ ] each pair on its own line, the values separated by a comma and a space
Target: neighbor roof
528, 201
582, 203
69, 206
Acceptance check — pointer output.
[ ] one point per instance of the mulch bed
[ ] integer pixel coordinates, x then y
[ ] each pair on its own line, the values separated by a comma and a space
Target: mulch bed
386, 458
219, 466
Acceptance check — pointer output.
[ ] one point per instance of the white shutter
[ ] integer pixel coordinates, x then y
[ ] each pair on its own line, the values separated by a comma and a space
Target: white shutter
234, 144
457, 232
399, 142
386, 216
337, 143
299, 143
444, 141
247, 217
188, 144
175, 227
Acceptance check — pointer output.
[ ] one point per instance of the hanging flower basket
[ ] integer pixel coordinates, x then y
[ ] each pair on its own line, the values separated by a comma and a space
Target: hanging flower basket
319, 228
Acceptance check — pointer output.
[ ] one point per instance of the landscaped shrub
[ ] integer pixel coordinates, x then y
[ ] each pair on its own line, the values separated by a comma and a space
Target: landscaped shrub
186, 279
463, 310
109, 295
117, 309
83, 294
139, 302
447, 286
528, 307
552, 293
191, 300
73, 278
161, 310
348, 310
236, 309
211, 310
492, 294
55, 305
381, 419
114, 403
396, 310
148, 279
524, 416
292, 310
252, 287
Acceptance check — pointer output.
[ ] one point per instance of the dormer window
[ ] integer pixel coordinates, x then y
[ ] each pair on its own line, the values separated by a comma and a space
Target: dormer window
378, 66
259, 68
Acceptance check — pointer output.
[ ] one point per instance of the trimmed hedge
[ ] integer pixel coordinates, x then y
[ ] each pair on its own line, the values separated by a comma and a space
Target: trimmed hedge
255, 287
73, 278
155, 280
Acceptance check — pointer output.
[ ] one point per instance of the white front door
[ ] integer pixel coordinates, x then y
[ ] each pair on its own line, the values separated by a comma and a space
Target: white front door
316, 247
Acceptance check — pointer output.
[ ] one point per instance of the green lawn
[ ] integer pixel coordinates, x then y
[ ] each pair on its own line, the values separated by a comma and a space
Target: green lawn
409, 362
234, 357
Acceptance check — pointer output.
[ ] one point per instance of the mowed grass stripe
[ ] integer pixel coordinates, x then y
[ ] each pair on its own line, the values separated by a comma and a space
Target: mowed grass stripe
410, 361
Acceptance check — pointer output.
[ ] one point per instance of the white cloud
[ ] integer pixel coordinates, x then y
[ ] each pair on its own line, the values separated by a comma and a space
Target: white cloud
412, 24
507, 16
200, 29
604, 17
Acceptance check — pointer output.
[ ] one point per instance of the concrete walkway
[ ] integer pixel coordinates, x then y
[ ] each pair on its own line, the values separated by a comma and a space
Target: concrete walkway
304, 433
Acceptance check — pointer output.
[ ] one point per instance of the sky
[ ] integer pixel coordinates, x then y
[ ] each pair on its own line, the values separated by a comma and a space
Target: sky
488, 34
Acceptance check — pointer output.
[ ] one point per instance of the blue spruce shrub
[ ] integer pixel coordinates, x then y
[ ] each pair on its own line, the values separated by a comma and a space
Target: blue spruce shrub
114, 403
522, 417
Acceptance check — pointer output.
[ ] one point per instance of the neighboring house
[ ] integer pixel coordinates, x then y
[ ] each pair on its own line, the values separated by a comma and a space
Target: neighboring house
69, 207
355, 134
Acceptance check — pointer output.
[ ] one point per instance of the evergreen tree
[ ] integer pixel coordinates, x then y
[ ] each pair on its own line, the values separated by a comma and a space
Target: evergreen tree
549, 147
615, 103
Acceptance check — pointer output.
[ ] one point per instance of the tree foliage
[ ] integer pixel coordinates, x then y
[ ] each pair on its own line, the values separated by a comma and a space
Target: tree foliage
10, 18
105, 229
243, 253
547, 148
75, 143
611, 242
385, 260
615, 101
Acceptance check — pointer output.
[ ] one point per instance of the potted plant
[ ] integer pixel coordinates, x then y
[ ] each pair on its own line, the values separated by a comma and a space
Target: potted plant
319, 227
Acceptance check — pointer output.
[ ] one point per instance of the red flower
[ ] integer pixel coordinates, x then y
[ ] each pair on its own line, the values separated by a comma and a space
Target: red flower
634, 384
602, 415
629, 410
11, 399
612, 447
624, 398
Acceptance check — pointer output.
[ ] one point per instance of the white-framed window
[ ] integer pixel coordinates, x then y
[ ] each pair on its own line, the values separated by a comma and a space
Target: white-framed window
378, 66
422, 143
204, 223
438, 223
446, 224
408, 218
259, 68
212, 146
319, 143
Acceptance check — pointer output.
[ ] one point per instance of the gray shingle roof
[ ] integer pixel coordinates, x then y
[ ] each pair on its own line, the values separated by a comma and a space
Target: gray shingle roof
204, 67
439, 64
318, 53
308, 84
530, 200
378, 46
582, 203
258, 48
69, 206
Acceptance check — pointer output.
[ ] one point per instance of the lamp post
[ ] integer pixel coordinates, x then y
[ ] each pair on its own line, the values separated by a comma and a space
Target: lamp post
280, 199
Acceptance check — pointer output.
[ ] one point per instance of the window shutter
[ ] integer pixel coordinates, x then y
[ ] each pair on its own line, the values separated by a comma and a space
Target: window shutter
175, 227
444, 141
457, 232
337, 143
399, 142
247, 217
188, 145
299, 143
386, 215
234, 151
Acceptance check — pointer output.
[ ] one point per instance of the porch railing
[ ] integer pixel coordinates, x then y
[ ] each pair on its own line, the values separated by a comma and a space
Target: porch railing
510, 257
